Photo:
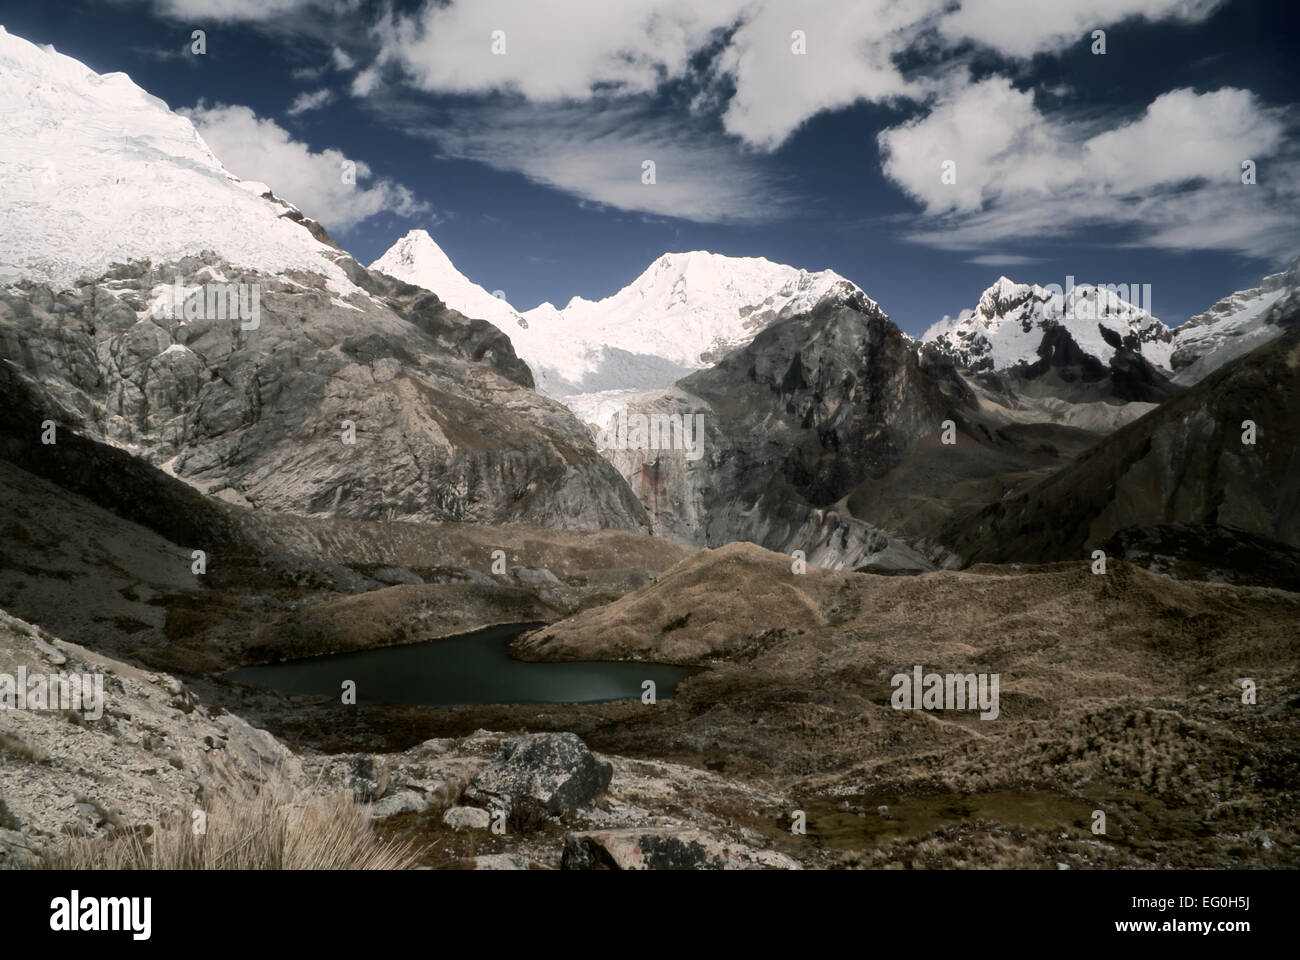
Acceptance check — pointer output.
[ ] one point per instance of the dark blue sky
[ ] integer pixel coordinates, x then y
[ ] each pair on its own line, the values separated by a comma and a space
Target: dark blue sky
514, 217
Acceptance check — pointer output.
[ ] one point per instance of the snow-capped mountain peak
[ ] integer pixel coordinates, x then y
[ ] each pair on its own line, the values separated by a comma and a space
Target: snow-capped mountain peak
417, 259
97, 171
1007, 326
682, 313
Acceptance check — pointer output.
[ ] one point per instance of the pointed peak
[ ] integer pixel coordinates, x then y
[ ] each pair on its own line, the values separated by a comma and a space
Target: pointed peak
418, 236
415, 245
1004, 288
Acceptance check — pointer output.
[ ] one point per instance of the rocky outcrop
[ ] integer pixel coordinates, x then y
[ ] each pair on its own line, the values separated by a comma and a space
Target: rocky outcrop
1199, 551
152, 749
293, 411
541, 775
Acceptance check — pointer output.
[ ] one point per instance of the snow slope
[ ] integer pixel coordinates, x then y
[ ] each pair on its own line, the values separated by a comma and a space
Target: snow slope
97, 171
1007, 325
1236, 325
683, 313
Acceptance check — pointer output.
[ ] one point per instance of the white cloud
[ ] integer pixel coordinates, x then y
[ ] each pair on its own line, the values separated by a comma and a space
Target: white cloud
584, 49
255, 148
341, 59
1172, 175
1022, 28
364, 83
1185, 136
850, 48
990, 133
310, 101
556, 50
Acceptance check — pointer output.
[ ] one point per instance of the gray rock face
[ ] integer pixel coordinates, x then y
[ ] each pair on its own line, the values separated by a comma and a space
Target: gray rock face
541, 775
153, 749
446, 424
793, 421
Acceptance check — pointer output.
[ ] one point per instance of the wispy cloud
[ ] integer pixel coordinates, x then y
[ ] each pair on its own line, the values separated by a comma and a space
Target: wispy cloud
1004, 260
310, 101
597, 152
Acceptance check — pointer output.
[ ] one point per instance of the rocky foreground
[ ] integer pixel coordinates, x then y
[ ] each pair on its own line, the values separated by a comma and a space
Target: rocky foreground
532, 801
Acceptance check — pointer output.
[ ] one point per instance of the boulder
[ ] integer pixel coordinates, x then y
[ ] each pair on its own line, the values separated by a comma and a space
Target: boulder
541, 775
404, 801
534, 576
505, 861
396, 575
642, 849
664, 848
467, 818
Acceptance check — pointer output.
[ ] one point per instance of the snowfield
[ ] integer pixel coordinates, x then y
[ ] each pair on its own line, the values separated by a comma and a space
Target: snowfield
96, 171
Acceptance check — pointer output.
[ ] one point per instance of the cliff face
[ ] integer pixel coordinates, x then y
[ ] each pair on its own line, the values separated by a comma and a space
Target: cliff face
384, 405
792, 423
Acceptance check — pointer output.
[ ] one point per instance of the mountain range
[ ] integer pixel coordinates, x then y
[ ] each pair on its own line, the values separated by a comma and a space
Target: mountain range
739, 467
688, 310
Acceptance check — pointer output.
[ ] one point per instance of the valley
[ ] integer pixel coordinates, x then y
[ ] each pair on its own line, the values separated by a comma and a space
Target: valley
625, 584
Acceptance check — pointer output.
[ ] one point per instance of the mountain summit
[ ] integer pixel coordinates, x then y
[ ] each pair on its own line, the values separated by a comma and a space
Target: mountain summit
1236, 325
417, 259
683, 313
1010, 326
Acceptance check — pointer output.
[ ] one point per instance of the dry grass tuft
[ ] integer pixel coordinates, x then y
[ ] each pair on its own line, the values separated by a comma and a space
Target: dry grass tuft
274, 827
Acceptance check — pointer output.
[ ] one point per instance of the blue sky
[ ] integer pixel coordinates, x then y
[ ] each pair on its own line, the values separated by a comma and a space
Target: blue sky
525, 164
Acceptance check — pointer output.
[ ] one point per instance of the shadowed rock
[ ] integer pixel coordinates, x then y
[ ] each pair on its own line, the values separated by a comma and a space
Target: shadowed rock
541, 775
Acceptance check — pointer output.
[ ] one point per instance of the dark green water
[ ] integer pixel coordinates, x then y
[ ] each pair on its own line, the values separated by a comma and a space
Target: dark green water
474, 668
